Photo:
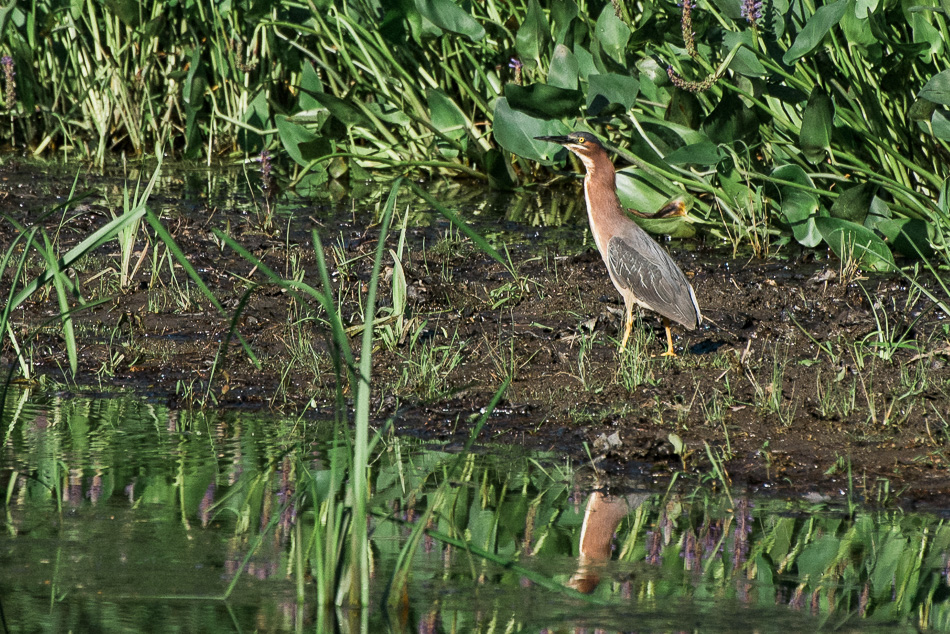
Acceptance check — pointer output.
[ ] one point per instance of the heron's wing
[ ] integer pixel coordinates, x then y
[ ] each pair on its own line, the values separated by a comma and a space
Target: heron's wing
643, 267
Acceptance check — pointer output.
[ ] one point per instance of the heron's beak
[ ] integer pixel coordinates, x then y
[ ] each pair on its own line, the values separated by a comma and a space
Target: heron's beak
560, 140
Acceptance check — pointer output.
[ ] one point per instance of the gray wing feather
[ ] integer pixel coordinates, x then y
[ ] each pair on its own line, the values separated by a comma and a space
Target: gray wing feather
643, 267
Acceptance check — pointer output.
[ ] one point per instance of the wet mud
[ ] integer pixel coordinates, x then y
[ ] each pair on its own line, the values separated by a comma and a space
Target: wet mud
805, 378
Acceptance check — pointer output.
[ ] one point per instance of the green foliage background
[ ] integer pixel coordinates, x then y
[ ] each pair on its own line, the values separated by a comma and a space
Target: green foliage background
823, 122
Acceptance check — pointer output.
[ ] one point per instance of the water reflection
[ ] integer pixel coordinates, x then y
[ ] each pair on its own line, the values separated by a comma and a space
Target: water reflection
118, 510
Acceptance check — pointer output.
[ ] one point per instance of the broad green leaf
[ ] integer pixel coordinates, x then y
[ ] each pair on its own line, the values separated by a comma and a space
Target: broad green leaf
855, 243
858, 32
815, 135
515, 131
937, 89
704, 153
941, 124
563, 13
447, 15
815, 30
925, 33
800, 209
684, 108
301, 144
645, 193
908, 236
446, 115
532, 34
543, 100
342, 109
310, 84
610, 88
815, 559
612, 33
863, 8
564, 71
585, 61
793, 174
854, 203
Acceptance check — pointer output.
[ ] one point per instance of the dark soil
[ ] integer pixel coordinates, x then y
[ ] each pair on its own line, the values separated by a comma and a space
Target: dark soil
781, 383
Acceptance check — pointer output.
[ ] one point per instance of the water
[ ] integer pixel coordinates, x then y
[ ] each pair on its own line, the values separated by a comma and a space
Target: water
123, 515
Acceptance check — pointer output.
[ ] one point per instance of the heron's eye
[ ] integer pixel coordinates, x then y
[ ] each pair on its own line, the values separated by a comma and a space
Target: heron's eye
581, 141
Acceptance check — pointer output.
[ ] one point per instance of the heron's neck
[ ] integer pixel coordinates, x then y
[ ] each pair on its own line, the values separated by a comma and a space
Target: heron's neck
603, 206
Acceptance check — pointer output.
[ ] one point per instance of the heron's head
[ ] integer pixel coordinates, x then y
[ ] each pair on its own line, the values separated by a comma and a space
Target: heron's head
584, 144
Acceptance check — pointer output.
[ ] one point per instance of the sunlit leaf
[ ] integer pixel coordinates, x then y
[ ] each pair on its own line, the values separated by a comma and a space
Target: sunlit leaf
856, 243
941, 124
612, 33
800, 209
564, 71
532, 34
745, 62
300, 143
815, 30
815, 136
449, 16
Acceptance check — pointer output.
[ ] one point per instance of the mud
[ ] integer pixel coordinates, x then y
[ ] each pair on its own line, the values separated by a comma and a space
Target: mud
790, 385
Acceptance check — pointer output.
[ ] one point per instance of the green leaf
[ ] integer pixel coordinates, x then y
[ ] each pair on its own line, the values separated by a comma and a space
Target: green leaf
532, 34
563, 13
515, 131
731, 121
704, 153
854, 203
342, 109
908, 236
447, 15
815, 135
800, 209
941, 124
855, 243
564, 71
612, 33
445, 115
815, 30
745, 62
611, 88
301, 144
937, 89
543, 100
310, 84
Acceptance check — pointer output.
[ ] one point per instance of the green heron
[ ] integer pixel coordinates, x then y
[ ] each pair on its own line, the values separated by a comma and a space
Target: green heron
641, 270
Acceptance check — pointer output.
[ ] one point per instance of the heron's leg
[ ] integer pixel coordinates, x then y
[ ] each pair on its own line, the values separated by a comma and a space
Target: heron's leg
627, 325
669, 339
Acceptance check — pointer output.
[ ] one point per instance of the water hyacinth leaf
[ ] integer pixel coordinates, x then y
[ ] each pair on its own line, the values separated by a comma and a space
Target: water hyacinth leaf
515, 131
543, 100
856, 243
449, 16
611, 88
815, 30
937, 89
445, 115
533, 33
301, 144
911, 237
925, 33
815, 136
854, 203
612, 33
564, 71
703, 153
800, 209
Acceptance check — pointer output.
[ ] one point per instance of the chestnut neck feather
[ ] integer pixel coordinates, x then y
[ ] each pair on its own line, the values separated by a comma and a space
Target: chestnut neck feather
603, 207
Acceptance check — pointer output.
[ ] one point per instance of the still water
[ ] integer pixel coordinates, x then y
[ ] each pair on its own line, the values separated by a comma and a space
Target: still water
124, 515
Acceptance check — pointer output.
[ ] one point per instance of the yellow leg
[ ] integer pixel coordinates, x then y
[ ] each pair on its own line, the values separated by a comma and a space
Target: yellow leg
627, 325
669, 339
